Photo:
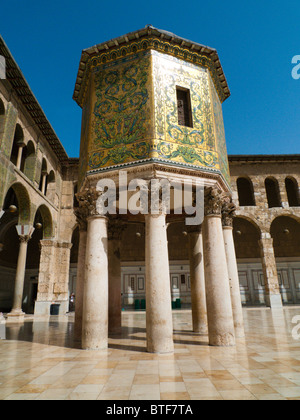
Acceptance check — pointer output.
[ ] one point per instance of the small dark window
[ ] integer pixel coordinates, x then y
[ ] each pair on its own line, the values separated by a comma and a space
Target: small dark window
273, 193
184, 107
245, 192
292, 190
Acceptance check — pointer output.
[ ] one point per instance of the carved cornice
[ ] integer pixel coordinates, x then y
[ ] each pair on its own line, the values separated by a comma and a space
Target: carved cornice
141, 43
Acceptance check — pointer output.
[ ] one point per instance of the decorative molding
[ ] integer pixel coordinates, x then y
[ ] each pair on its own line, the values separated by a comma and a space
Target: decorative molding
138, 46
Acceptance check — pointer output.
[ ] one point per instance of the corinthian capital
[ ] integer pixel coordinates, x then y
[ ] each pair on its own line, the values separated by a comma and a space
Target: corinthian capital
214, 199
89, 202
228, 212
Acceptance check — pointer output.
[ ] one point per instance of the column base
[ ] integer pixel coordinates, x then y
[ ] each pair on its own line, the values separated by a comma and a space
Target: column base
15, 316
166, 351
226, 340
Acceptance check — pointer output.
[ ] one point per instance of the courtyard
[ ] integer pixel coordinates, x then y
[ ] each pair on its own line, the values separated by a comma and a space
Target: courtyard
39, 360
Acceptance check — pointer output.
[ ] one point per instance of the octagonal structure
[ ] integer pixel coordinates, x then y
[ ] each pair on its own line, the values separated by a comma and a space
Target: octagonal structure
151, 97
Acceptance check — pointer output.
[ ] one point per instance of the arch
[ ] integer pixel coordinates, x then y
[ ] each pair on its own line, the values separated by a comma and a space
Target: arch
292, 190
246, 235
285, 231
43, 217
29, 160
18, 195
245, 192
50, 188
273, 192
17, 143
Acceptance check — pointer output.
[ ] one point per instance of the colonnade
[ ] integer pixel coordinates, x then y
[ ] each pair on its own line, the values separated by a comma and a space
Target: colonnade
216, 303
215, 289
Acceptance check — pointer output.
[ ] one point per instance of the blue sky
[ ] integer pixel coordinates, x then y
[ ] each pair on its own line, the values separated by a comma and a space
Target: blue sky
256, 41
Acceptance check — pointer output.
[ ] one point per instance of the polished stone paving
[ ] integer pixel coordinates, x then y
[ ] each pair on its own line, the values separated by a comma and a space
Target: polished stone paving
39, 360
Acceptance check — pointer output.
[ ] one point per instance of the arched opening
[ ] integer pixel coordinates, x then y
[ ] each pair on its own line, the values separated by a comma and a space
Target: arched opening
16, 211
50, 189
245, 192
18, 143
246, 238
28, 161
292, 190
285, 232
273, 193
18, 196
43, 222
43, 178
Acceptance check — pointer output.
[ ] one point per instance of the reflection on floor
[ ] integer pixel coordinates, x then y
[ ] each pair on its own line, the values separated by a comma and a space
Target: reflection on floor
39, 360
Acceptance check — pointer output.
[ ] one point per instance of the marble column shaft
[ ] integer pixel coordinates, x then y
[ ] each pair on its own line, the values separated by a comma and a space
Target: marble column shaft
158, 291
95, 301
219, 309
199, 311
234, 282
20, 278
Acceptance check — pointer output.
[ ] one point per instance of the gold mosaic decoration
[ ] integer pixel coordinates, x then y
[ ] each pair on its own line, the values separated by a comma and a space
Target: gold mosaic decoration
130, 111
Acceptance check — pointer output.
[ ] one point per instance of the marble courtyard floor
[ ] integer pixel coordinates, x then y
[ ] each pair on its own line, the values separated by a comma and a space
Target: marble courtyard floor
40, 360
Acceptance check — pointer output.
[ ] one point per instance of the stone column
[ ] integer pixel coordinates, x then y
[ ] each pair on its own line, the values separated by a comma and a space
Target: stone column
115, 229
158, 289
16, 313
219, 309
228, 212
199, 311
273, 295
81, 220
20, 152
44, 178
95, 298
